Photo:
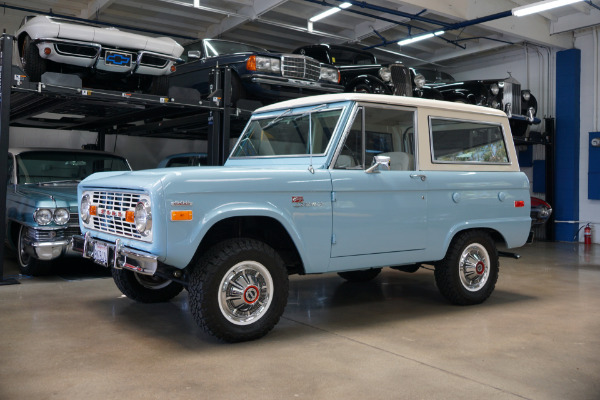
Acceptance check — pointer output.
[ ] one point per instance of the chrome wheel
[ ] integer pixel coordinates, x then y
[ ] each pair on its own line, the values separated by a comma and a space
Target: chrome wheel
245, 293
152, 282
473, 265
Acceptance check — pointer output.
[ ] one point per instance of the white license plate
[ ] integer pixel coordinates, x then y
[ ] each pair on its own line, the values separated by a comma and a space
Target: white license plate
101, 253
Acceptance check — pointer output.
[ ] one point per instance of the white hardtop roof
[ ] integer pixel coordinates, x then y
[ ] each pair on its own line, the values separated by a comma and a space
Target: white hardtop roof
381, 99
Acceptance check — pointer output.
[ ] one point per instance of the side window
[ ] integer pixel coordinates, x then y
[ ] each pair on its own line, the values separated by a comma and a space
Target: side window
387, 132
458, 141
9, 169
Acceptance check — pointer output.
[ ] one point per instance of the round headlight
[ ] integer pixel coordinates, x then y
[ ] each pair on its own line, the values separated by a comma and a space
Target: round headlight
385, 74
526, 95
43, 216
84, 208
61, 216
143, 217
419, 81
495, 89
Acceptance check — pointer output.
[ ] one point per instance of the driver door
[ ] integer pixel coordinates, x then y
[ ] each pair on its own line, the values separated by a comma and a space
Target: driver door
382, 212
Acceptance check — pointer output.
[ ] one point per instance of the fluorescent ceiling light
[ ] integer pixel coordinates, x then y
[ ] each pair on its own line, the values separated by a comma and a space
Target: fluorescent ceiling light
419, 38
329, 12
541, 6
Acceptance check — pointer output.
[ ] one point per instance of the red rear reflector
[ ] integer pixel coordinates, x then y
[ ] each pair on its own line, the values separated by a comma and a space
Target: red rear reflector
519, 203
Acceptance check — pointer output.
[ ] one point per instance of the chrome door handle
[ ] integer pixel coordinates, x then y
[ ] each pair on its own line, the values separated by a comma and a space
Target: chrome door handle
415, 176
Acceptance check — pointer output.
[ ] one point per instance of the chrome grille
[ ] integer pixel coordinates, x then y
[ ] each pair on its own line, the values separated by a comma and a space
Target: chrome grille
110, 202
301, 67
401, 80
52, 235
512, 94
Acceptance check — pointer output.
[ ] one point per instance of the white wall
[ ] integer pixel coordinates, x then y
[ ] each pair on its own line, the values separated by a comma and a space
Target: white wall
141, 152
588, 42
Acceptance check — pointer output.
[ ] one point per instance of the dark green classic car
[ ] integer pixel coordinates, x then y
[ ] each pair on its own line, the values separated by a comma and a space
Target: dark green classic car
41, 200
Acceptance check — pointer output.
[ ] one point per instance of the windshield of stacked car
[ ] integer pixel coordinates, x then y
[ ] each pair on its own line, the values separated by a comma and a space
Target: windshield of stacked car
341, 56
42, 167
434, 76
291, 132
214, 48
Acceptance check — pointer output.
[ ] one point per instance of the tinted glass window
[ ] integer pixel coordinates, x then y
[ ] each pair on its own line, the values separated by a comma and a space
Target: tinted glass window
387, 132
467, 142
348, 57
45, 166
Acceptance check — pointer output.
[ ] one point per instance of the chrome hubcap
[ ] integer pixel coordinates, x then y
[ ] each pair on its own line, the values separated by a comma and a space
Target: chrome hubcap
245, 293
474, 267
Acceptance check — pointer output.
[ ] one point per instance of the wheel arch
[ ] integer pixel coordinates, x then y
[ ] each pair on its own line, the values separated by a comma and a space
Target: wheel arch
494, 234
265, 228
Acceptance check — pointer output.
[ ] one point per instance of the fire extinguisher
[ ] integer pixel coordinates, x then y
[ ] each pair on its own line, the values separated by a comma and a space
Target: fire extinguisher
587, 235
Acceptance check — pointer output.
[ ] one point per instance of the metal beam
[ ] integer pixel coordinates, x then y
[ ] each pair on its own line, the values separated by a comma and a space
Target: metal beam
575, 21
248, 13
94, 8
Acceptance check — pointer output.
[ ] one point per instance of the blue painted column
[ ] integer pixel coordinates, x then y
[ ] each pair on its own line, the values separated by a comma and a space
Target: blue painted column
566, 179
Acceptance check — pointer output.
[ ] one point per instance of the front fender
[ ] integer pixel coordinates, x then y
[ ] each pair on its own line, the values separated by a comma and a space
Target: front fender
182, 250
369, 80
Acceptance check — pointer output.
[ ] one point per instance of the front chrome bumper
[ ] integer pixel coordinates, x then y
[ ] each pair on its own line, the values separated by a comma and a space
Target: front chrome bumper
117, 255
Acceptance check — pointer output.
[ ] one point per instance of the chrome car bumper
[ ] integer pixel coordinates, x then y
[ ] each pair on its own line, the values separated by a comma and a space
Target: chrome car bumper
298, 83
115, 255
46, 249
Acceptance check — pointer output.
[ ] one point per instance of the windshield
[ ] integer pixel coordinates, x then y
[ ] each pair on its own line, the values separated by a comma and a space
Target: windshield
46, 167
434, 76
342, 56
288, 133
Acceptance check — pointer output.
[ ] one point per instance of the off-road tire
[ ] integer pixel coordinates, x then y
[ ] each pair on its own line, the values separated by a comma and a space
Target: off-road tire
33, 64
145, 288
469, 272
238, 290
363, 275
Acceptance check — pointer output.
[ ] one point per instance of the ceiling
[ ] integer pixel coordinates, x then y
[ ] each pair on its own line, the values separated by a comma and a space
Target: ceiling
282, 25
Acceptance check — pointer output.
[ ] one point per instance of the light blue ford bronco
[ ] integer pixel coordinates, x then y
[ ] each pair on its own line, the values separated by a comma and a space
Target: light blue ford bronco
346, 183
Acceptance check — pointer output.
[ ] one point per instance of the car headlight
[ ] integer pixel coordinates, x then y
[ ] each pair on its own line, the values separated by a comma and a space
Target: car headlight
385, 74
495, 89
43, 216
84, 208
143, 217
419, 81
526, 95
61, 216
268, 64
329, 74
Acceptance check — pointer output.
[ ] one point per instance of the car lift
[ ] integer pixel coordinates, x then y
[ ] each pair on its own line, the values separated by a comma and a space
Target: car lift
183, 114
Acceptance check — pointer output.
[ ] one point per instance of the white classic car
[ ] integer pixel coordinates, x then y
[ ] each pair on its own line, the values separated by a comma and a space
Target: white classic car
105, 54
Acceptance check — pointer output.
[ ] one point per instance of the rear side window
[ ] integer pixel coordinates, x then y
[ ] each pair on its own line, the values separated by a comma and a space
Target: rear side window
460, 141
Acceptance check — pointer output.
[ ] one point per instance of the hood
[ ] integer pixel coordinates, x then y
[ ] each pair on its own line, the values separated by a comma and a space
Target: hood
63, 195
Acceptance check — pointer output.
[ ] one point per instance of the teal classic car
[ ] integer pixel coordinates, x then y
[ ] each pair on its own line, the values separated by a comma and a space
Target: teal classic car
345, 183
41, 200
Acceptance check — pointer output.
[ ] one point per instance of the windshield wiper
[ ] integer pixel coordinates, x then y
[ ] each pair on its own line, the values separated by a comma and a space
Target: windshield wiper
60, 181
276, 120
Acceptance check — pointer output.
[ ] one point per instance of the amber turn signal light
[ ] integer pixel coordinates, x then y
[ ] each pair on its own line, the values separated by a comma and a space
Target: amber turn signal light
93, 210
130, 216
181, 215
251, 63
47, 50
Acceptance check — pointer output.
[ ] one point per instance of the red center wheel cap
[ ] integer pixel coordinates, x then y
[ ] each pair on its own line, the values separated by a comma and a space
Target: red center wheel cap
251, 294
480, 268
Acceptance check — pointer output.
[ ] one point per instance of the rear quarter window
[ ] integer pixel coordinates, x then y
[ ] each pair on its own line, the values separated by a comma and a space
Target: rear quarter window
466, 142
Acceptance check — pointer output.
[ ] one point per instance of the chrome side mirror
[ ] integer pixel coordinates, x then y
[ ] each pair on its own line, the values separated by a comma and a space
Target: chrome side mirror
194, 54
379, 163
530, 114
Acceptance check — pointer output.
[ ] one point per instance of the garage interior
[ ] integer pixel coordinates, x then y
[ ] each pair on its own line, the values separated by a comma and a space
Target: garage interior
70, 333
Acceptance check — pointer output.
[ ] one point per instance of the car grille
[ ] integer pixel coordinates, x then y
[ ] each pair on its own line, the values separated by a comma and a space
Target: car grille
77, 50
52, 235
153, 61
115, 201
301, 67
512, 95
401, 80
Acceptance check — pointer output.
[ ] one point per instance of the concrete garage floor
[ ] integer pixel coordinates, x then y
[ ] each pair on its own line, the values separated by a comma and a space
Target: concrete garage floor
73, 336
